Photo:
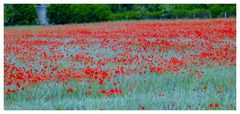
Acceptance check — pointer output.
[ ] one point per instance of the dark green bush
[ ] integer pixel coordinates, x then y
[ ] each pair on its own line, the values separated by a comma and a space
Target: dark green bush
75, 13
20, 14
26, 14
155, 15
125, 16
200, 13
222, 10
58, 14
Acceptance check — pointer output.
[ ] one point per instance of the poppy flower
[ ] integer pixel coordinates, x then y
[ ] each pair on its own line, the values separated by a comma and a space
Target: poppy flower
114, 84
161, 94
111, 90
199, 76
69, 90
103, 91
211, 105
117, 72
220, 92
101, 82
142, 108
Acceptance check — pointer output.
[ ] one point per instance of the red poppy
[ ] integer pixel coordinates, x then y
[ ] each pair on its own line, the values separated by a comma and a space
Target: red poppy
211, 105
9, 90
101, 82
199, 76
220, 92
89, 87
117, 72
161, 94
69, 90
142, 108
88, 93
111, 90
114, 83
103, 91
117, 91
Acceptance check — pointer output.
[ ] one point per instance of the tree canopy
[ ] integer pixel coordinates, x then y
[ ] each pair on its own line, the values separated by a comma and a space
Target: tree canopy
19, 14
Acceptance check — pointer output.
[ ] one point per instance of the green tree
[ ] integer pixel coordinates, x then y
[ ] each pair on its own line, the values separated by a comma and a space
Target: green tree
75, 13
222, 10
58, 13
20, 14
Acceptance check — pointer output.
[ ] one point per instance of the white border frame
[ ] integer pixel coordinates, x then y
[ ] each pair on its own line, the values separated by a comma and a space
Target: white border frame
115, 2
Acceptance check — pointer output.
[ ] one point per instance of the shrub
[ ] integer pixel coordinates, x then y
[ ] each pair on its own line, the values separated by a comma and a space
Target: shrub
75, 13
20, 14
58, 14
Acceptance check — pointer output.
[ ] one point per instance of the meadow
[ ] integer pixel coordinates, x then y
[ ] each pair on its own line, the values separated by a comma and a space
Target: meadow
125, 65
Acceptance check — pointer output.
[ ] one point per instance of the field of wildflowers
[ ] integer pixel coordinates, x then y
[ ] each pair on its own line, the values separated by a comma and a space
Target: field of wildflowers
125, 65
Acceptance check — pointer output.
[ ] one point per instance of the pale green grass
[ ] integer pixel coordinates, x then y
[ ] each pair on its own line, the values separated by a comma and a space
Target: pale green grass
178, 89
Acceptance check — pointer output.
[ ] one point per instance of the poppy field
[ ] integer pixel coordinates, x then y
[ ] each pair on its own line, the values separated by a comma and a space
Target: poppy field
122, 65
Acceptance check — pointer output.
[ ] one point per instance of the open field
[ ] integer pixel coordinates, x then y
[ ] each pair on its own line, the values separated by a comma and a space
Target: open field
132, 65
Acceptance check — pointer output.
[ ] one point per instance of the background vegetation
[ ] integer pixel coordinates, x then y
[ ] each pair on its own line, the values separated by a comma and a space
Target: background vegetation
18, 14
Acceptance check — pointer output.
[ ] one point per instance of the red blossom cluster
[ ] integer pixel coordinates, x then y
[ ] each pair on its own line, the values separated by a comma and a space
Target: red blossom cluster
111, 92
216, 105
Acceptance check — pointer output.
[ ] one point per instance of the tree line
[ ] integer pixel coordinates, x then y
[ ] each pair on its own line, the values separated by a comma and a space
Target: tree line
26, 14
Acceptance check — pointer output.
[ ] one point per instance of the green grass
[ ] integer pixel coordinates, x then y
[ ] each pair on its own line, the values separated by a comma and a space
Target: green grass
180, 92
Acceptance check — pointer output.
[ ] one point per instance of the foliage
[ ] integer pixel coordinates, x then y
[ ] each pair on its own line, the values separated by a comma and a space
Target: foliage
222, 10
58, 13
75, 13
81, 13
20, 14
